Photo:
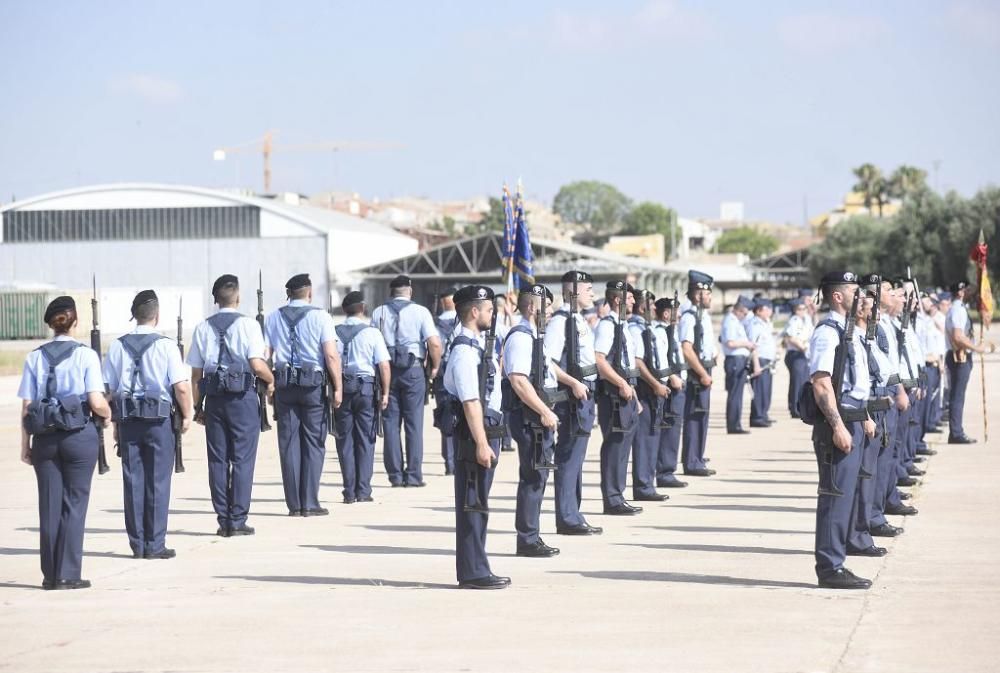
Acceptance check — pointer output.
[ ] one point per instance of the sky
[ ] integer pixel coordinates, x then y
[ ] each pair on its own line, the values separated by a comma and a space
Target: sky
686, 103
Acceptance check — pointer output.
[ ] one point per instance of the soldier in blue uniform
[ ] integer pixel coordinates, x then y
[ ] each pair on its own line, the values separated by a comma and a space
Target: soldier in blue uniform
306, 364
618, 406
652, 391
840, 425
471, 380
412, 337
364, 357
227, 360
958, 335
445, 322
577, 375
795, 339
698, 347
761, 334
669, 346
531, 421
146, 379
737, 348
62, 395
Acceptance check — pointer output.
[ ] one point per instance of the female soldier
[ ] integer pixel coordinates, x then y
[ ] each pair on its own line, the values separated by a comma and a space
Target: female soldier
62, 391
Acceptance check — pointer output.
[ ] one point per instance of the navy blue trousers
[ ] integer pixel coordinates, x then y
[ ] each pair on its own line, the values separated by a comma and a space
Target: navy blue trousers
736, 379
64, 467
670, 438
615, 449
301, 444
530, 482
959, 374
885, 467
864, 498
405, 413
839, 471
572, 438
932, 401
232, 431
798, 374
646, 448
695, 425
760, 407
356, 441
147, 467
470, 527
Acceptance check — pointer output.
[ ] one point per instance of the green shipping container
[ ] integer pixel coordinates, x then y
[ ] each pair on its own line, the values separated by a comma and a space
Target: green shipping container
22, 313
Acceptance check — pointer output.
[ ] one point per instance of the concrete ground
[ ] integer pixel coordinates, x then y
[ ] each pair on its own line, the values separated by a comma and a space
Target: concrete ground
719, 578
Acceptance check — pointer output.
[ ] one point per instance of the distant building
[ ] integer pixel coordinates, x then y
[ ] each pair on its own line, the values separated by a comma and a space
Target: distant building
854, 204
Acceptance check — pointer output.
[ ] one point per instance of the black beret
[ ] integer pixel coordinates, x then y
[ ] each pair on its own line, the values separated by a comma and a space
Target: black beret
578, 276
352, 298
224, 281
959, 285
143, 297
298, 281
897, 283
471, 293
619, 285
871, 279
447, 292
537, 291
58, 305
699, 281
665, 303
838, 278
400, 281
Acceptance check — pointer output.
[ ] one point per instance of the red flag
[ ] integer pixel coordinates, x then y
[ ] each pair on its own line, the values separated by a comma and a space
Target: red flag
978, 255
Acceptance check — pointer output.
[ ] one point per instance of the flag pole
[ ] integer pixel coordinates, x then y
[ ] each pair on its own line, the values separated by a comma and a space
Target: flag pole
982, 377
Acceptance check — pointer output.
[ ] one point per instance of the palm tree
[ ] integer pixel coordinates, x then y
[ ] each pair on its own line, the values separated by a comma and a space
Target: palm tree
871, 185
907, 181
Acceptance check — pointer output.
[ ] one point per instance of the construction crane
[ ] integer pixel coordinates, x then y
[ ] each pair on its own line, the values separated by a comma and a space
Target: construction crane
267, 147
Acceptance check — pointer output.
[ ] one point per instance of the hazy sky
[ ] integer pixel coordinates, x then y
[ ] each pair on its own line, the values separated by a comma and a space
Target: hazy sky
687, 103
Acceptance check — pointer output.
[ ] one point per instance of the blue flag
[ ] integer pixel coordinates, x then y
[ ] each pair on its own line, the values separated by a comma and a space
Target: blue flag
521, 271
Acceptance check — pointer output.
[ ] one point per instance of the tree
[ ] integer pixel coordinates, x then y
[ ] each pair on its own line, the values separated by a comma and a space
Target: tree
492, 220
906, 182
447, 225
596, 206
652, 218
746, 240
857, 244
871, 185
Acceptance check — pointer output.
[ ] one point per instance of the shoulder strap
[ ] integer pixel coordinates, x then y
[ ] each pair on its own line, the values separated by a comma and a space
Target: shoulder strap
830, 322
136, 346
293, 315
55, 353
221, 322
346, 333
465, 340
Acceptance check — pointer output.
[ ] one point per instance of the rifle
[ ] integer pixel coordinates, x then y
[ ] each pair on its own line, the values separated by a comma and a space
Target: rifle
699, 338
178, 417
572, 350
262, 389
842, 355
651, 357
550, 398
472, 481
872, 329
428, 364
95, 343
616, 351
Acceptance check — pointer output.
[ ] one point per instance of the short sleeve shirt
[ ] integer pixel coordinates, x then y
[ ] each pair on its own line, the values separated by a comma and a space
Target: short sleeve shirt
79, 374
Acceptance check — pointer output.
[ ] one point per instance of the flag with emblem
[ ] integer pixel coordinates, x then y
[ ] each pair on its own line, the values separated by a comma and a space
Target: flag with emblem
978, 255
517, 259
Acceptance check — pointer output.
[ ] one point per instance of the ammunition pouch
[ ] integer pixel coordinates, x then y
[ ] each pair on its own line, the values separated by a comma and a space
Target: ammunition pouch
306, 376
126, 409
893, 380
909, 384
493, 424
226, 380
580, 372
878, 404
402, 358
63, 414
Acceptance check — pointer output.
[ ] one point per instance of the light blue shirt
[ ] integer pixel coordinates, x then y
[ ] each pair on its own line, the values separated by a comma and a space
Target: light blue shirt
604, 337
762, 335
555, 341
244, 340
913, 358
885, 322
78, 374
637, 325
365, 352
822, 355
315, 329
517, 352
934, 340
686, 330
461, 379
885, 368
161, 366
958, 318
416, 325
661, 330
798, 327
733, 330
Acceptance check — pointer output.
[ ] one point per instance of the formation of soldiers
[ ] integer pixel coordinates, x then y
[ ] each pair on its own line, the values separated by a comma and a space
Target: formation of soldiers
867, 378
